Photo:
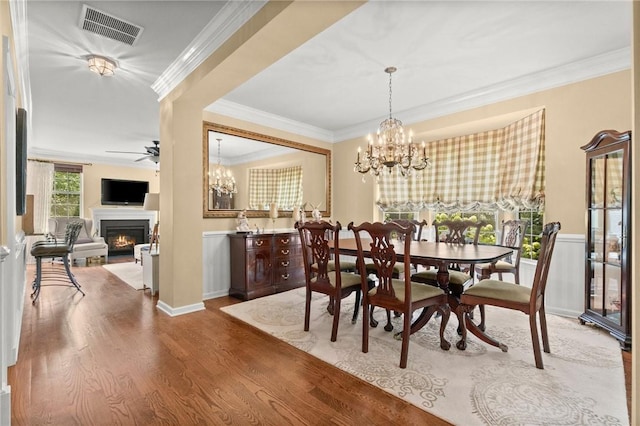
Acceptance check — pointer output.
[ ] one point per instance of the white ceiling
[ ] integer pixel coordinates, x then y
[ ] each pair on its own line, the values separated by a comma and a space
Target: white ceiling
450, 55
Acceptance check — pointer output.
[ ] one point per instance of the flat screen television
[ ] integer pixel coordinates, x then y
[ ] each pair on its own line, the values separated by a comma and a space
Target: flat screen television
123, 192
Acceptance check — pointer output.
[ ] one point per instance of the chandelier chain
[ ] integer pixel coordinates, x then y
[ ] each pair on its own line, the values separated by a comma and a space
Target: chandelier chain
390, 95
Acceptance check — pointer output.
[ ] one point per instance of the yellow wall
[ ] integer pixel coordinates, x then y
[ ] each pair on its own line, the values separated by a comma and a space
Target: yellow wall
574, 114
93, 174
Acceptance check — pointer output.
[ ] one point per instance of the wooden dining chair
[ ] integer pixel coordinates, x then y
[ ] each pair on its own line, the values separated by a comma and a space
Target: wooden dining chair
453, 232
513, 232
514, 296
399, 295
320, 276
416, 235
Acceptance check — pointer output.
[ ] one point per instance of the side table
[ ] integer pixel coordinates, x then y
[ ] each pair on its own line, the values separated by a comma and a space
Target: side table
151, 269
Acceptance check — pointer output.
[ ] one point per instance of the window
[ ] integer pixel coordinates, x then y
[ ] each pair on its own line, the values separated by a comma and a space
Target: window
400, 215
531, 241
66, 195
487, 232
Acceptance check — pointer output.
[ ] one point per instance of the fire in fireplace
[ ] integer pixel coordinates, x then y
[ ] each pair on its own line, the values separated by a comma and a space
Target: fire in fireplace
122, 235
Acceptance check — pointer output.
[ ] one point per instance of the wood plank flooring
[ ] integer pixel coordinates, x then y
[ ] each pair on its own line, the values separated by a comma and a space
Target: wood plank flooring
111, 358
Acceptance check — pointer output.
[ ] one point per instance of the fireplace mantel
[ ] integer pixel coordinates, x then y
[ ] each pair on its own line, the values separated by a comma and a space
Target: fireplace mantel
122, 214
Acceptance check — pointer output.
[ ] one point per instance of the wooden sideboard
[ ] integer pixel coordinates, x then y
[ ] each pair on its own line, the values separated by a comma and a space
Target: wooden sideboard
263, 264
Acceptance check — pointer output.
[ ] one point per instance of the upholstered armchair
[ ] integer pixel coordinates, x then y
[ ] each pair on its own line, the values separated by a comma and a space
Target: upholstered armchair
86, 245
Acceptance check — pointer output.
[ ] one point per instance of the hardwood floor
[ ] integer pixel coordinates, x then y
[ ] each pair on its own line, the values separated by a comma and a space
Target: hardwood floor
112, 358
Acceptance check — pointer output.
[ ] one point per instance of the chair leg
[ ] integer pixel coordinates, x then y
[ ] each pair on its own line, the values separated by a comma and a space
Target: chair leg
72, 278
482, 325
336, 318
365, 326
406, 332
37, 281
535, 340
307, 310
356, 308
543, 330
389, 326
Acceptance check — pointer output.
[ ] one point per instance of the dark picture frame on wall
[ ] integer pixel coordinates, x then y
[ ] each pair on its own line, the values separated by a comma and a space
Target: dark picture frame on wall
21, 161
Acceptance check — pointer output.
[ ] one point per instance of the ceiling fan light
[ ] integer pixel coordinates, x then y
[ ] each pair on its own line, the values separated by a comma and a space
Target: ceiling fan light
101, 65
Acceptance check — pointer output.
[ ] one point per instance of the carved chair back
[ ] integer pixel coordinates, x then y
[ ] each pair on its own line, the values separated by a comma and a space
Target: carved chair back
383, 238
458, 231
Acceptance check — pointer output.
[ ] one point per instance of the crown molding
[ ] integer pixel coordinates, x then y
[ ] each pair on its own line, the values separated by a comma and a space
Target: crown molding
263, 118
228, 20
574, 72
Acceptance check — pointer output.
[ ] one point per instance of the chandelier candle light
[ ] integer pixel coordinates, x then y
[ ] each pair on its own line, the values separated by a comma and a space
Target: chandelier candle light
222, 181
391, 147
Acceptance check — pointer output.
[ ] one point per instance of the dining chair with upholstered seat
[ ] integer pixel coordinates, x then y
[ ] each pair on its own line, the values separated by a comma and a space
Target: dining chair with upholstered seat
453, 232
400, 295
513, 232
416, 235
322, 278
514, 296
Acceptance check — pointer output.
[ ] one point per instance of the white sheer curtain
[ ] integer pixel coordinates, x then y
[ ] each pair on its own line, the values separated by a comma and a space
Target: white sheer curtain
40, 184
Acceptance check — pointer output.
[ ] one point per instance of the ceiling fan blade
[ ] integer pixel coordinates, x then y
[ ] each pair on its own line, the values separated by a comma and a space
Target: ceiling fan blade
142, 158
125, 152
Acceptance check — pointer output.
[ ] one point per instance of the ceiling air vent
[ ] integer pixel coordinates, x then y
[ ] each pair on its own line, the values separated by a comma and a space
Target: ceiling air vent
101, 23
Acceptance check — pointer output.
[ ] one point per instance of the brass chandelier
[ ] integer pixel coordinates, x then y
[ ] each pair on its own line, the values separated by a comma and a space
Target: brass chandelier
221, 180
391, 147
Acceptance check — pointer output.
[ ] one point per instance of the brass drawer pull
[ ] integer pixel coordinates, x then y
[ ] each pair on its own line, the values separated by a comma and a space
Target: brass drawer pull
259, 243
285, 276
284, 241
285, 263
284, 251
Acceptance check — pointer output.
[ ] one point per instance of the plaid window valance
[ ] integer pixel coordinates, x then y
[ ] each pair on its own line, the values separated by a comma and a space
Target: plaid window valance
280, 186
501, 169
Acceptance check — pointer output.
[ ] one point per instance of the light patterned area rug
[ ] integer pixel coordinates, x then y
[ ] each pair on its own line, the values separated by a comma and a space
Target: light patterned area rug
129, 272
582, 383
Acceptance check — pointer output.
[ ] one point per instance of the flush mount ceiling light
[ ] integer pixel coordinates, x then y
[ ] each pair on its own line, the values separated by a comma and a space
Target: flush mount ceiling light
101, 65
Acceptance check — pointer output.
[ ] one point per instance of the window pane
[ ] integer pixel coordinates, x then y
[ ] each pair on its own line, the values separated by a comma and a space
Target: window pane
531, 241
66, 196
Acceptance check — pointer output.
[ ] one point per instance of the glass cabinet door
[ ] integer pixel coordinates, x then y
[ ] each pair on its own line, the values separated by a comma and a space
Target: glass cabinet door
607, 269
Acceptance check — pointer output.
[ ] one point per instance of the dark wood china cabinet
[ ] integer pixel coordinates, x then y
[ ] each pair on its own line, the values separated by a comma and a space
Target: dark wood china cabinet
608, 238
263, 264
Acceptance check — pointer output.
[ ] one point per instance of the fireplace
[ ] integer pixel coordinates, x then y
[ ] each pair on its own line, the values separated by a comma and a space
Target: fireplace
122, 235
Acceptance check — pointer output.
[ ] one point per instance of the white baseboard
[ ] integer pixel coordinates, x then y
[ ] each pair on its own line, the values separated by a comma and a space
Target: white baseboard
5, 406
182, 310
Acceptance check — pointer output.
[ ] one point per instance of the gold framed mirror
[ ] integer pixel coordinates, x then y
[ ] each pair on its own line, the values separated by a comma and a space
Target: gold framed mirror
244, 170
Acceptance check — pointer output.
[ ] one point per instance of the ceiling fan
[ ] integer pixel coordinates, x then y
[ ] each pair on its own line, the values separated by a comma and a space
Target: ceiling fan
153, 153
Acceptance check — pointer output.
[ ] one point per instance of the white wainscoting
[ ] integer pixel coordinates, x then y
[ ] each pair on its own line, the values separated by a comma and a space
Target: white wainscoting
216, 268
565, 283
